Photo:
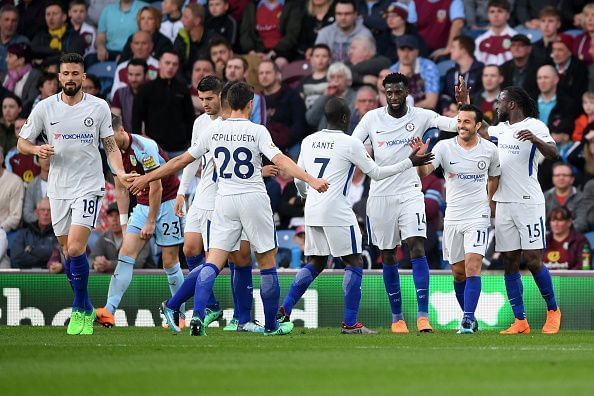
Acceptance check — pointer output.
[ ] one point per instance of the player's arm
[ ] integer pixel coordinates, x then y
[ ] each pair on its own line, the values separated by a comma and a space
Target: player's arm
27, 148
547, 149
188, 174
139, 183
29, 133
492, 186
286, 164
300, 184
123, 201
114, 156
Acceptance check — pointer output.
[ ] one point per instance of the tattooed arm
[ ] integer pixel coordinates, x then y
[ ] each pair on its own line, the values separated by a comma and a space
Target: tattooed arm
114, 156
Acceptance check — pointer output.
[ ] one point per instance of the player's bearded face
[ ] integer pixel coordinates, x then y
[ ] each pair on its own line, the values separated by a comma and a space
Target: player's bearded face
71, 88
396, 95
502, 109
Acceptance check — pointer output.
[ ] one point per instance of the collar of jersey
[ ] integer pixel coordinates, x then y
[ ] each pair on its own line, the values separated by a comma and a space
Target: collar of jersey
332, 130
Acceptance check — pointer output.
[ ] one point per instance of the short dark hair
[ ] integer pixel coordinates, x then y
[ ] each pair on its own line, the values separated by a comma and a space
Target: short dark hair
561, 163
335, 110
560, 213
44, 78
322, 46
503, 4
116, 122
351, 2
54, 3
14, 97
170, 52
204, 60
9, 8
72, 57
549, 11
239, 95
210, 83
467, 43
478, 114
523, 100
395, 78
78, 2
138, 62
219, 40
95, 80
245, 63
225, 91
495, 66
273, 63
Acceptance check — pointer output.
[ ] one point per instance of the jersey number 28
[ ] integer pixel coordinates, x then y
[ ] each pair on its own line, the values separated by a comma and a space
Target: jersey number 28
246, 162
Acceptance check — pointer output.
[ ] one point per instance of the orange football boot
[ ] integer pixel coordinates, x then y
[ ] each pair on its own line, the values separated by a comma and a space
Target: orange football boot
518, 327
105, 318
553, 322
399, 327
423, 325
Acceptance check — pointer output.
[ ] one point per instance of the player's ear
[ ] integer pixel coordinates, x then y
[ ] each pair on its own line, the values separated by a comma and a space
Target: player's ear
478, 125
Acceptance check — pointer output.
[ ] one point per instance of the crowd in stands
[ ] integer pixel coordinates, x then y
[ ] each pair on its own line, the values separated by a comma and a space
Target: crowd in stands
146, 59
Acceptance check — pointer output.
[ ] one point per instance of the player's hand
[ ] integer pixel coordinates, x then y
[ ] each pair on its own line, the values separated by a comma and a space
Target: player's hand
179, 205
320, 185
421, 159
462, 92
417, 143
526, 135
126, 178
147, 230
270, 170
45, 151
138, 184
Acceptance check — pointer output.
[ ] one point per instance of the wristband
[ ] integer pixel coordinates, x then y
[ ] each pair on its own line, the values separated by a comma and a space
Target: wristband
123, 219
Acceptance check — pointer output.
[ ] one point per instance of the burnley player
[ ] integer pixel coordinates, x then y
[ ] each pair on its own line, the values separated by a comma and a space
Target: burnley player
153, 215
331, 226
520, 215
242, 203
396, 205
471, 166
74, 123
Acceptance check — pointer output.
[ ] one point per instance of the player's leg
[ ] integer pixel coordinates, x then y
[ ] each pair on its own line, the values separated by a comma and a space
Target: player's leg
383, 232
78, 236
459, 273
317, 251
193, 249
453, 252
243, 288
351, 286
472, 291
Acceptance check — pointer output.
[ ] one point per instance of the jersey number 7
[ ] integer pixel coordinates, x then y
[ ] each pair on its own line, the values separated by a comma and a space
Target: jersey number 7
324, 162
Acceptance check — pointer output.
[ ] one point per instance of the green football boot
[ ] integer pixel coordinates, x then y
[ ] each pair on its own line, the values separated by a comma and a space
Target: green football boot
232, 325
77, 322
88, 323
282, 329
211, 315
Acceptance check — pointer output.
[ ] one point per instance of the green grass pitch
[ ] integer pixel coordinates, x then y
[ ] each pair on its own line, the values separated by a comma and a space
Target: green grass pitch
151, 361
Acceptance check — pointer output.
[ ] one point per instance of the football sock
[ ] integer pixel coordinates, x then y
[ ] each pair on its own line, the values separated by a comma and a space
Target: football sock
351, 285
459, 288
545, 285
79, 268
303, 279
175, 278
515, 289
472, 292
270, 293
186, 291
194, 261
120, 280
235, 310
204, 286
244, 290
420, 269
67, 272
392, 284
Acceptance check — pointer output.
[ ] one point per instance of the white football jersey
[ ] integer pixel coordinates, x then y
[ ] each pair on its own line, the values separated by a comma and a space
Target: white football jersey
390, 138
207, 188
466, 173
74, 131
236, 145
519, 161
332, 155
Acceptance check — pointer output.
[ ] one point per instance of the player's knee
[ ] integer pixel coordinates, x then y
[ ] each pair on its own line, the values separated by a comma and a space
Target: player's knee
190, 251
170, 256
388, 257
75, 248
459, 272
353, 260
533, 262
416, 246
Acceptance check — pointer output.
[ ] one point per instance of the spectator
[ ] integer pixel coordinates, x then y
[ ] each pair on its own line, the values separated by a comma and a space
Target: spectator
192, 41
338, 35
31, 17
285, 108
486, 99
586, 118
11, 108
148, 20
439, 22
95, 9
582, 157
165, 108
423, 76
551, 100
4, 260
314, 85
35, 191
372, 12
9, 19
462, 53
77, 12
49, 44
367, 99
220, 51
104, 256
201, 69
35, 242
236, 69
237, 7
380, 87
565, 248
521, 69
397, 26
219, 22
122, 102
363, 61
339, 84
271, 29
573, 73
116, 24
550, 23
563, 193
142, 46
24, 166
581, 44
290, 209
21, 77
47, 85
172, 14
560, 129
91, 85
492, 47
585, 212
12, 192
317, 15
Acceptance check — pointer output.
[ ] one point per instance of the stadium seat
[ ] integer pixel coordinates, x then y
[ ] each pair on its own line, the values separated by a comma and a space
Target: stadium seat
574, 32
105, 71
295, 71
533, 34
444, 66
